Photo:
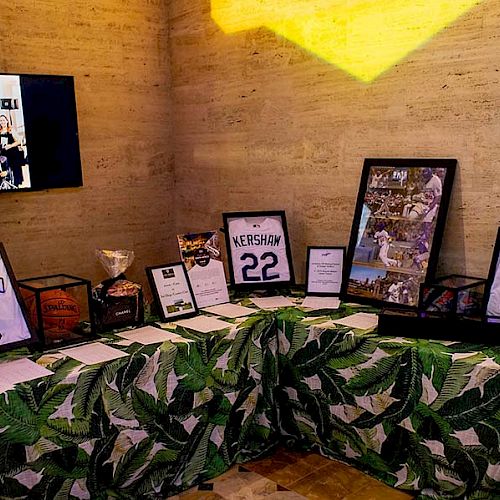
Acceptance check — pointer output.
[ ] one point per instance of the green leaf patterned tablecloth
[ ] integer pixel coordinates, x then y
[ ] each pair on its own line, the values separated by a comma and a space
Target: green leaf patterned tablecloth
144, 426
419, 415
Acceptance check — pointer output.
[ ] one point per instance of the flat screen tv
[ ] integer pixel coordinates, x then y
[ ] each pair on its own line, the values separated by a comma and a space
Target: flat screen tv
39, 146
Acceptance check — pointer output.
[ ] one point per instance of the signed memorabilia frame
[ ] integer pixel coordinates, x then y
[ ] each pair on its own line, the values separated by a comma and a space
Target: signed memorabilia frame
257, 274
175, 269
341, 251
397, 229
8, 281
492, 282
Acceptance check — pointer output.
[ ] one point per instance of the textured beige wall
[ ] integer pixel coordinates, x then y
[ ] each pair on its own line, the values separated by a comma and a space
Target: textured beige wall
262, 124
118, 52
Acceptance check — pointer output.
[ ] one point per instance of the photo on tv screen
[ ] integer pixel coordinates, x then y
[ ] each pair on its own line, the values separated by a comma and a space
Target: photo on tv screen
39, 146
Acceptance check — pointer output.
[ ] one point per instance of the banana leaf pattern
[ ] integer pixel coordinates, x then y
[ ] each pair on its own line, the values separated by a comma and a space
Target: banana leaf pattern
144, 426
419, 415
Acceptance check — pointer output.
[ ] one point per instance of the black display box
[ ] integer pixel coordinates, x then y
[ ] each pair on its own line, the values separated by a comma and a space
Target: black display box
395, 322
117, 303
452, 296
59, 308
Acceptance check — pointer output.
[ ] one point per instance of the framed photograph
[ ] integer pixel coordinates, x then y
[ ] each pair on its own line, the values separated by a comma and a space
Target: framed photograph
324, 271
172, 291
202, 257
492, 291
15, 327
258, 249
397, 229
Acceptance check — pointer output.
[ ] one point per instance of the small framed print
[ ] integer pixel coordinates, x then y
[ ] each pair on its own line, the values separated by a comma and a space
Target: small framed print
202, 258
172, 291
324, 272
258, 249
491, 300
15, 327
397, 229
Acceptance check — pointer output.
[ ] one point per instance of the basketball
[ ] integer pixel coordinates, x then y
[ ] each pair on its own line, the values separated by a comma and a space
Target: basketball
60, 311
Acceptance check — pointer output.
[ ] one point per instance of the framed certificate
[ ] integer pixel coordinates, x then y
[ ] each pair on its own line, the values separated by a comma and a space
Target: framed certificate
15, 327
202, 257
172, 291
324, 272
492, 290
258, 249
397, 229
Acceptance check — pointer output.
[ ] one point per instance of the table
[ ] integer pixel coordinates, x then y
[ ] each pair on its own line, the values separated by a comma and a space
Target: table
418, 415
144, 426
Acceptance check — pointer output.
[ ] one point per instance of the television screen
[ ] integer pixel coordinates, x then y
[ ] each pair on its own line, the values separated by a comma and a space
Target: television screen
38, 133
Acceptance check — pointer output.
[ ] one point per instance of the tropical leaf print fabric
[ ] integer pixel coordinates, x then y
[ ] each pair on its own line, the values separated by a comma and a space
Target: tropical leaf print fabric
419, 415
144, 426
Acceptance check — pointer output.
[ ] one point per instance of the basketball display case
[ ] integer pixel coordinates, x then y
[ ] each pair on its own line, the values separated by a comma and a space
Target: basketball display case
59, 308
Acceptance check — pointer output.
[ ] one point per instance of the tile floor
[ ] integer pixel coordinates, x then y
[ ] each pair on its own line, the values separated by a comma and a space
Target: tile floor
296, 476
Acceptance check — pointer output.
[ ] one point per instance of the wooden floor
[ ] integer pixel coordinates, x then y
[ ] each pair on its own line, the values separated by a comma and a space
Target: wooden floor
296, 476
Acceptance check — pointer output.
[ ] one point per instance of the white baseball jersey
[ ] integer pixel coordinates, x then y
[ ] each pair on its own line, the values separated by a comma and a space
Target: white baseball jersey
13, 326
382, 237
394, 290
435, 186
258, 251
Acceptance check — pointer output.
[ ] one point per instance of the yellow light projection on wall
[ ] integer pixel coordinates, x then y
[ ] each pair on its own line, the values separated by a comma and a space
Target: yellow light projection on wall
362, 37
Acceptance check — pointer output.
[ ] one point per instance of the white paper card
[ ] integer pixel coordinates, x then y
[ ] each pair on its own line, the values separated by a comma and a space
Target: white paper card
321, 302
91, 354
150, 335
204, 324
362, 321
20, 370
230, 310
272, 302
325, 270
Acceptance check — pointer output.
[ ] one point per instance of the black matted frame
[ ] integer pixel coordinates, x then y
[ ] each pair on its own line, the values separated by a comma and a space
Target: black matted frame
326, 248
32, 341
415, 165
495, 265
154, 289
261, 284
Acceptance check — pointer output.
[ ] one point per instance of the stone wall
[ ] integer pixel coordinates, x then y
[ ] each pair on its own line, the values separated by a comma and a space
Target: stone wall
260, 123
117, 50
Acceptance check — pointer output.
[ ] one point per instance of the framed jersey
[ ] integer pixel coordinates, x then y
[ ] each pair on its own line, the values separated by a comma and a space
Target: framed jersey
492, 291
258, 249
15, 328
397, 229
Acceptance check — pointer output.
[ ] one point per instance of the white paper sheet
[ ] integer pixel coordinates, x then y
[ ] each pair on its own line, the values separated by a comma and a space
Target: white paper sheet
150, 335
204, 324
91, 354
229, 310
316, 303
362, 321
272, 302
20, 370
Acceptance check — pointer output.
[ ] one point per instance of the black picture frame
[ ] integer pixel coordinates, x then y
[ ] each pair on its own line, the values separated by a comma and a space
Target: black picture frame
309, 291
493, 280
156, 293
32, 340
411, 197
258, 280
